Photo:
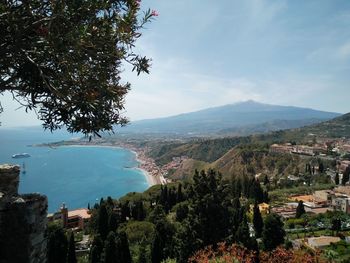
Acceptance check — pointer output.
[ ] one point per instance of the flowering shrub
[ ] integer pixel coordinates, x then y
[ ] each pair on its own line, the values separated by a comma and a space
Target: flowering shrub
236, 253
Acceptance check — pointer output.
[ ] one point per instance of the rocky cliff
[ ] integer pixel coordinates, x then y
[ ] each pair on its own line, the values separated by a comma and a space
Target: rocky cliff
22, 221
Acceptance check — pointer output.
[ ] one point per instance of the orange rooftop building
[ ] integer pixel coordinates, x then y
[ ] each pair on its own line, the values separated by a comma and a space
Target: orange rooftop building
71, 219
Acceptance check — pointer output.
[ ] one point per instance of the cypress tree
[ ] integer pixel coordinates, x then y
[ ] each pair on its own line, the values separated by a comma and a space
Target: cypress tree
112, 222
336, 224
257, 220
346, 176
57, 246
321, 167
123, 248
109, 202
125, 211
157, 249
172, 197
141, 212
256, 191
246, 183
336, 179
242, 234
71, 257
110, 250
300, 209
273, 233
103, 221
96, 250
236, 215
188, 236
179, 194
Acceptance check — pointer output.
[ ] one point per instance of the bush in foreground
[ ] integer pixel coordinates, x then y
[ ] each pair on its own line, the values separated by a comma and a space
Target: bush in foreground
236, 253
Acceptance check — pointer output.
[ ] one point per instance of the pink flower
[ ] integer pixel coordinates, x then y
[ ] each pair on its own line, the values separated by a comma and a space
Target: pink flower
154, 13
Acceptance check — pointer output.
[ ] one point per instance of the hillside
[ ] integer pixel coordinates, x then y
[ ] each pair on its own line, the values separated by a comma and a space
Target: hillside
246, 115
266, 127
234, 155
245, 160
337, 127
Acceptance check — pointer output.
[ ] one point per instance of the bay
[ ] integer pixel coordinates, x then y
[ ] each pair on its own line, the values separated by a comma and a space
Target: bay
74, 175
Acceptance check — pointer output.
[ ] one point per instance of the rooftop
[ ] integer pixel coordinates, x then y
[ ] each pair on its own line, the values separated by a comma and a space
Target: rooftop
304, 198
82, 212
322, 241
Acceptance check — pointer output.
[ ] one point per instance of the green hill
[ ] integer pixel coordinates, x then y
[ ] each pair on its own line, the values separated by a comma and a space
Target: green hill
237, 155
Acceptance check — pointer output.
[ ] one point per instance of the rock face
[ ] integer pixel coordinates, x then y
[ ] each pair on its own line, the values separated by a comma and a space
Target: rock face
22, 221
9, 179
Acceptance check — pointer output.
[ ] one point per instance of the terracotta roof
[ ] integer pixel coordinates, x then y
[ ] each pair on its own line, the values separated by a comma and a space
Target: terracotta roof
82, 212
304, 198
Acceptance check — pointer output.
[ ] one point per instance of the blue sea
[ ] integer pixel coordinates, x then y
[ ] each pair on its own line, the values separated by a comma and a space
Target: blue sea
70, 174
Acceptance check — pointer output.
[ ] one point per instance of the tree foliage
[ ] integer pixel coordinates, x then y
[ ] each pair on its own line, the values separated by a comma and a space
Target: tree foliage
258, 222
300, 209
176, 220
273, 233
64, 59
71, 257
57, 245
110, 249
346, 176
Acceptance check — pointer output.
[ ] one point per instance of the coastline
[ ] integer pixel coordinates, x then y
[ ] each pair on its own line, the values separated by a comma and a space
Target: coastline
143, 162
151, 179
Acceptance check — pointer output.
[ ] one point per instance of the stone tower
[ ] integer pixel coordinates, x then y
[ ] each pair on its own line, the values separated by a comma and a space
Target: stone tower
64, 212
23, 221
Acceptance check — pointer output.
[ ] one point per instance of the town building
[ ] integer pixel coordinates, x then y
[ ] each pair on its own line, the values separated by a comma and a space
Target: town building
341, 202
299, 149
322, 241
77, 218
285, 148
286, 211
342, 165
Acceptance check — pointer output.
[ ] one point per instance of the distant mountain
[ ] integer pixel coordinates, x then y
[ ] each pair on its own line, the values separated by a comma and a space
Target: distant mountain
248, 114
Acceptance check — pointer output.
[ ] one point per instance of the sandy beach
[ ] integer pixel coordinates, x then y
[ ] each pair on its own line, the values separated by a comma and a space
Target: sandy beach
152, 179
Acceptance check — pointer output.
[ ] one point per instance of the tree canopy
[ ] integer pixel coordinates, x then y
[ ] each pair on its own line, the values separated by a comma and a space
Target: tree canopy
273, 233
63, 59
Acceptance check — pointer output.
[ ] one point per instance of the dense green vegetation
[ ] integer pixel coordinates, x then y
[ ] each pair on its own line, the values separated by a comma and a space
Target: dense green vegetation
175, 221
171, 223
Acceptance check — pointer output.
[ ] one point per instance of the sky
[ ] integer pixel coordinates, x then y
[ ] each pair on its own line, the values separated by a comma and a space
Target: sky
208, 53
